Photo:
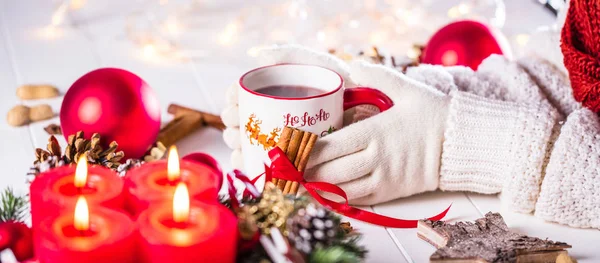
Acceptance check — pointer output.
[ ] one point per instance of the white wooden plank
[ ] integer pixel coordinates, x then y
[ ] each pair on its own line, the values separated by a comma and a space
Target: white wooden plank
421, 206
584, 241
43, 55
378, 241
16, 147
219, 76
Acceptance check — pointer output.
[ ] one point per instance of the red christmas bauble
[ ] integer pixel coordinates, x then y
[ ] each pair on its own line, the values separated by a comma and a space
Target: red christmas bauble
115, 103
464, 43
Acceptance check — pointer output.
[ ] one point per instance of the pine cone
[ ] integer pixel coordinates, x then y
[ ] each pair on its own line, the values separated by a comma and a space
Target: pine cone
313, 227
46, 159
53, 149
128, 165
40, 167
78, 145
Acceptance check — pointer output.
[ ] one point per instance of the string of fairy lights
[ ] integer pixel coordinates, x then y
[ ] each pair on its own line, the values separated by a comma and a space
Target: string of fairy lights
394, 25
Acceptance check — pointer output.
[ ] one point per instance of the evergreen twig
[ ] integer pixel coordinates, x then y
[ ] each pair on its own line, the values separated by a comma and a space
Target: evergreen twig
14, 207
350, 245
333, 254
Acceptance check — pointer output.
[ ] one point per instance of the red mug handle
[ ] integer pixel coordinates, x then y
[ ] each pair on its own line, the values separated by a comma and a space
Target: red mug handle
364, 95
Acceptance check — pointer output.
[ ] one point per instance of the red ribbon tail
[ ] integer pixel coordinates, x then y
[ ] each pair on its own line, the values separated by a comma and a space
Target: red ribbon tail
362, 215
232, 191
282, 168
441, 215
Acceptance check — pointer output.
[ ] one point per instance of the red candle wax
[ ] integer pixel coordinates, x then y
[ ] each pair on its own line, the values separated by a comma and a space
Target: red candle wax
110, 238
209, 235
149, 184
54, 190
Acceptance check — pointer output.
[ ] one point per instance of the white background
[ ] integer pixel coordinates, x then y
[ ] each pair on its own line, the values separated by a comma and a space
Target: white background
95, 36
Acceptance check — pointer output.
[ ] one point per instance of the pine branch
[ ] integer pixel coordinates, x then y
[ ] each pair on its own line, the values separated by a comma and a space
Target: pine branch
346, 250
224, 200
14, 208
350, 245
333, 254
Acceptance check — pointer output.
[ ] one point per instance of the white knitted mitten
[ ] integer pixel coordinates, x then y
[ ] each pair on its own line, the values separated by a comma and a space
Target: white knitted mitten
390, 155
553, 82
570, 193
496, 144
496, 78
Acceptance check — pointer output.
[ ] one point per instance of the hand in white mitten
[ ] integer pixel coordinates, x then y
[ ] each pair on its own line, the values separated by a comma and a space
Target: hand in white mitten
277, 55
390, 155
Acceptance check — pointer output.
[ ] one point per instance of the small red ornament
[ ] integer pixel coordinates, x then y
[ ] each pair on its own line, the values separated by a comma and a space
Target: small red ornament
17, 237
115, 103
464, 43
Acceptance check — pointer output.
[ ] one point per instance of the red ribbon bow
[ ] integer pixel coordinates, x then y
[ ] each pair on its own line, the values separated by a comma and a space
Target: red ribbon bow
282, 168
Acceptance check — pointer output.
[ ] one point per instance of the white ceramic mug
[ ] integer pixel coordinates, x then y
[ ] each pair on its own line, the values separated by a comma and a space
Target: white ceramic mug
263, 116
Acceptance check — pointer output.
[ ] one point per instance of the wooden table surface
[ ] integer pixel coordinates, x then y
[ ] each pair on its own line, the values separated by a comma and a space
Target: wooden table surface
30, 53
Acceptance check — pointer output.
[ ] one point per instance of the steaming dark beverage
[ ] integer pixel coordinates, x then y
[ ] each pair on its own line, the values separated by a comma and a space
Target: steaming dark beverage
290, 91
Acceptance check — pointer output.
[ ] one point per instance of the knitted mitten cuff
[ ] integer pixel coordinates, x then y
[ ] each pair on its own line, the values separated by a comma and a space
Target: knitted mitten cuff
492, 146
570, 192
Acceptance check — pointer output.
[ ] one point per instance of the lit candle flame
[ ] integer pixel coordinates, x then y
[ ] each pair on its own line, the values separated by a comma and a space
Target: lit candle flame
173, 164
82, 215
181, 204
81, 172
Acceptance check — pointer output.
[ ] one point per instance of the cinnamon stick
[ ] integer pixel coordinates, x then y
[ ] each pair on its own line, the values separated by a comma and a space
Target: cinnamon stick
207, 118
303, 159
284, 141
297, 146
303, 144
178, 128
305, 137
292, 151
